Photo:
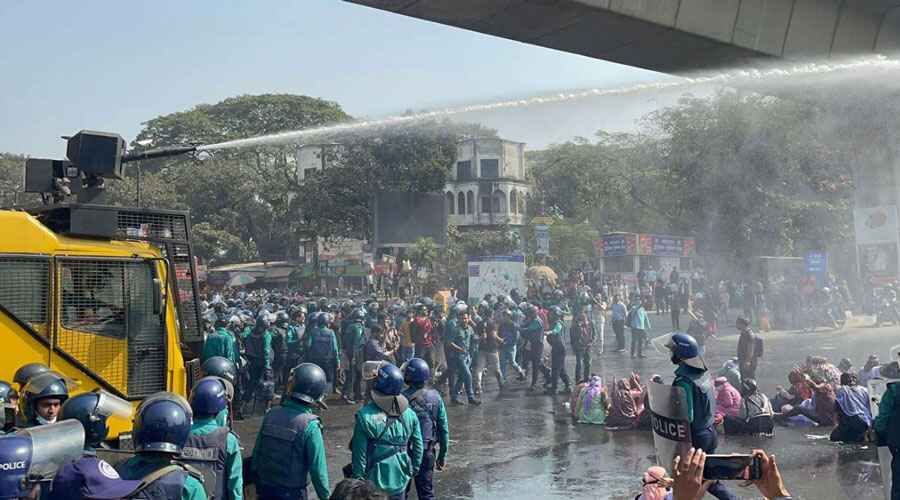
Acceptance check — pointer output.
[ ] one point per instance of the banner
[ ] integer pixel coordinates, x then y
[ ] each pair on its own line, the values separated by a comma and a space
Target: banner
669, 421
496, 274
542, 239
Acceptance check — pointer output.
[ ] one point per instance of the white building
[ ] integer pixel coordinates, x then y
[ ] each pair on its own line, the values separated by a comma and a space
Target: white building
488, 185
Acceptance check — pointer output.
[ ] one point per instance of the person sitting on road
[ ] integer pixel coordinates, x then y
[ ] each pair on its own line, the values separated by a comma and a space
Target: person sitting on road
624, 412
728, 399
755, 415
590, 404
798, 392
820, 408
853, 413
872, 369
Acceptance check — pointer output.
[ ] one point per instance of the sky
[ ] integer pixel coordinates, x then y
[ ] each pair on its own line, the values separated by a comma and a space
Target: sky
111, 65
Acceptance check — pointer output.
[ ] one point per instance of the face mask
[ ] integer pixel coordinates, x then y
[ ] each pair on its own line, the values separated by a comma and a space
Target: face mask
43, 421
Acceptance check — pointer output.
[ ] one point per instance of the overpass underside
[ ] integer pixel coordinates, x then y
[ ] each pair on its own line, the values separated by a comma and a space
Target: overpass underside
676, 36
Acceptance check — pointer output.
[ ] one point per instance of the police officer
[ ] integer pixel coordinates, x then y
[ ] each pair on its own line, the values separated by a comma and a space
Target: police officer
557, 352
295, 336
211, 447
692, 376
260, 356
7, 411
219, 342
223, 368
429, 407
31, 457
42, 397
289, 447
322, 347
89, 476
279, 349
161, 428
387, 441
354, 340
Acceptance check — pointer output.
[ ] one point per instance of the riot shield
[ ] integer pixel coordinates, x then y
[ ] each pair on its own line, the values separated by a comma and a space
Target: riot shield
53, 446
669, 421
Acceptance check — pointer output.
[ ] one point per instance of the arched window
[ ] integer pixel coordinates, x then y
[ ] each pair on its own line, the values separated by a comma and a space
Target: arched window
451, 201
462, 203
522, 203
470, 202
499, 202
513, 202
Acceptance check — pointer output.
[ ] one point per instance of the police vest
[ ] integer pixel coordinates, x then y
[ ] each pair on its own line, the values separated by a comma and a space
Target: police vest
321, 348
426, 403
208, 454
703, 398
279, 458
164, 483
893, 427
256, 348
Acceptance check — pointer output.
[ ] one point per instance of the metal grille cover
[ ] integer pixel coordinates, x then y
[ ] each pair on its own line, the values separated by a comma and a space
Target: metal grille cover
24, 289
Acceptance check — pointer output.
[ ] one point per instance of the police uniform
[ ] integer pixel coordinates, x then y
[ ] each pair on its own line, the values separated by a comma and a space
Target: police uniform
429, 408
177, 483
322, 349
91, 477
214, 450
219, 343
381, 448
289, 451
354, 335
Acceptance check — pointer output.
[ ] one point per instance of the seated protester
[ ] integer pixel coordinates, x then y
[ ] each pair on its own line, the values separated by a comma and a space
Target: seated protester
853, 413
872, 369
755, 415
728, 399
623, 411
731, 371
590, 404
799, 391
819, 368
656, 485
846, 366
820, 408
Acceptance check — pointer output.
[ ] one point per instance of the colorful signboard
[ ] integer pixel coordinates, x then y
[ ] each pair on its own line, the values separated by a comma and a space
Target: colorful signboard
619, 244
496, 274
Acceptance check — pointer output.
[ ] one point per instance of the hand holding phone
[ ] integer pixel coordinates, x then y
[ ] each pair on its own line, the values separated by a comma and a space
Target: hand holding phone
732, 467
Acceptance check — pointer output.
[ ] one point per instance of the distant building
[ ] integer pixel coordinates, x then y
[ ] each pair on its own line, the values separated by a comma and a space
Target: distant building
488, 186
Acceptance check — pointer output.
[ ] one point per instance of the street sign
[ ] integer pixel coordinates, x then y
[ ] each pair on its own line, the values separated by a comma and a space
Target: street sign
542, 238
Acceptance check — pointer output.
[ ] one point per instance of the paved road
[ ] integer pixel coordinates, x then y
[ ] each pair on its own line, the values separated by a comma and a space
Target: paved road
520, 445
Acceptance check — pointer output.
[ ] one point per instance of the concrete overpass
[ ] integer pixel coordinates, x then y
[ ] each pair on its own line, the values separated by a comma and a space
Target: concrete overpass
675, 36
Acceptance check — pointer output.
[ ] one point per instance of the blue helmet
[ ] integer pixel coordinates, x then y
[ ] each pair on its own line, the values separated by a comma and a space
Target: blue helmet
357, 315
93, 409
308, 383
218, 366
686, 350
46, 385
389, 380
162, 424
15, 453
416, 371
209, 397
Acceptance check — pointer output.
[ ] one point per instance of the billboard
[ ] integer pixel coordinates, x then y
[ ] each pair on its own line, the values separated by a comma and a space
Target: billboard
495, 274
402, 217
876, 225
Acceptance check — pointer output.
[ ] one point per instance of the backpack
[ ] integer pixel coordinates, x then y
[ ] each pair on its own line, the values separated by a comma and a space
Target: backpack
758, 346
630, 318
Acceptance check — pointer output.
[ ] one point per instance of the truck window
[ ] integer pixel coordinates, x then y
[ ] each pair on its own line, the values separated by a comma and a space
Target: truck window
24, 283
106, 297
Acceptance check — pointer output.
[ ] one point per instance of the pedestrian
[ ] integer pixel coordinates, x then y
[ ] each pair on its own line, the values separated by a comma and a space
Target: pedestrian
557, 352
42, 397
211, 447
387, 444
692, 376
582, 336
509, 333
618, 315
289, 449
90, 476
639, 323
533, 331
161, 428
423, 335
488, 357
747, 349
460, 343
429, 408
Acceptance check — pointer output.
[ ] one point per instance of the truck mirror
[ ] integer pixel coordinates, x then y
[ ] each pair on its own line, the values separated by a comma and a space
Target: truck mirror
157, 296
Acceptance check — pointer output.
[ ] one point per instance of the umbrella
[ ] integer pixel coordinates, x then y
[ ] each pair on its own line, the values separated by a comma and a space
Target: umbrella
241, 280
538, 273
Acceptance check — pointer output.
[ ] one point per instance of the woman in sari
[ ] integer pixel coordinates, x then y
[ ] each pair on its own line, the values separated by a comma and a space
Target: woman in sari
624, 411
590, 404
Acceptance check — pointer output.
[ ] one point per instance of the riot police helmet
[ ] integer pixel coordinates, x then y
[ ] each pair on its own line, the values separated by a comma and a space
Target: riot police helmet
309, 383
93, 410
389, 380
35, 455
162, 424
48, 385
25, 372
209, 397
685, 350
416, 371
218, 366
556, 312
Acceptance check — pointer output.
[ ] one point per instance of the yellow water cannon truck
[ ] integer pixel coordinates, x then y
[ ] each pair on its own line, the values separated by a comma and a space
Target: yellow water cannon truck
105, 295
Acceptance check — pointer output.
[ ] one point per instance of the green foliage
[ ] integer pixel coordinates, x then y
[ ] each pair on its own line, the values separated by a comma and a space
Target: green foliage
11, 169
423, 253
464, 244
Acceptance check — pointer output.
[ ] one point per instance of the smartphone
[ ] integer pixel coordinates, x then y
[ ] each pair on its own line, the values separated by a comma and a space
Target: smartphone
731, 467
